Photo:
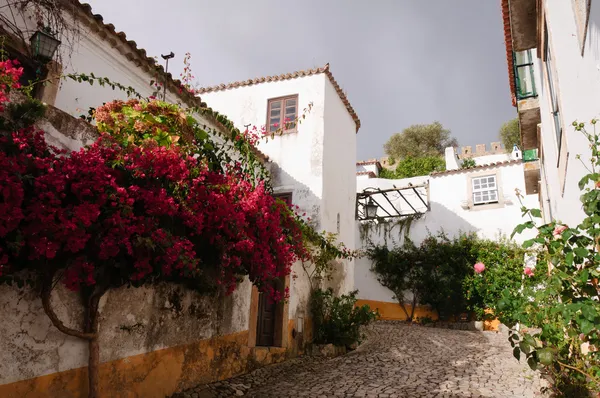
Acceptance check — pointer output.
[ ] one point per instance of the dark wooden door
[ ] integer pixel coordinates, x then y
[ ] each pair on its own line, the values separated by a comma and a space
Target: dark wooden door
265, 330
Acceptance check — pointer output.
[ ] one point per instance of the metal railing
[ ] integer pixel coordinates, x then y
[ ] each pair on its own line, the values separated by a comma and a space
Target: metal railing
524, 75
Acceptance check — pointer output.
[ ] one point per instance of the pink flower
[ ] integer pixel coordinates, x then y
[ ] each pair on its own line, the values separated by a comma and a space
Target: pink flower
559, 230
479, 268
528, 271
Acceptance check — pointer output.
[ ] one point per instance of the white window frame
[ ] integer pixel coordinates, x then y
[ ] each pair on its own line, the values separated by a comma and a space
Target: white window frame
487, 189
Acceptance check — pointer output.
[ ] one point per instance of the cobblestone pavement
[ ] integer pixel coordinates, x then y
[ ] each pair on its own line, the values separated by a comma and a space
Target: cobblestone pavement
396, 361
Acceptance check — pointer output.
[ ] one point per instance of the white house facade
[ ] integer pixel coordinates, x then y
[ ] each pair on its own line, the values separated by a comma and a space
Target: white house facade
553, 56
482, 200
314, 161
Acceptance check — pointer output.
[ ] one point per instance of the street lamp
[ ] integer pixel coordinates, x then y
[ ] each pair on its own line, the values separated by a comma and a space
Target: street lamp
371, 208
44, 45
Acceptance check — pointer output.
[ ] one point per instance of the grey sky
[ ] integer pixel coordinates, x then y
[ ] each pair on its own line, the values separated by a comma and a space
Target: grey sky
401, 62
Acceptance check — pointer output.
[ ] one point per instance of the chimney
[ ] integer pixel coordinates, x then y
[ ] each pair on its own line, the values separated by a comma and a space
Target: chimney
466, 152
452, 162
480, 149
497, 147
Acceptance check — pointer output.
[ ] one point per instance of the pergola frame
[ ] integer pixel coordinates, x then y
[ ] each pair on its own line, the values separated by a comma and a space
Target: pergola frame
387, 196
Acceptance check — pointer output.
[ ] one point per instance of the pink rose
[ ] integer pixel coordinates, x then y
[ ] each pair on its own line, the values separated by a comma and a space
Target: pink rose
559, 230
528, 271
479, 268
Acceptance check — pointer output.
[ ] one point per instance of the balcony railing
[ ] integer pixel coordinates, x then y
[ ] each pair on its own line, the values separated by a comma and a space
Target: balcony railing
524, 76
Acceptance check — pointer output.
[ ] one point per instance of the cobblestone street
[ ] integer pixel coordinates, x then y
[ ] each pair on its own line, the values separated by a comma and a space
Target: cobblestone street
396, 361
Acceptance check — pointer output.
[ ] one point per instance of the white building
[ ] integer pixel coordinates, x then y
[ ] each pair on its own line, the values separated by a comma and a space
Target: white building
553, 56
312, 162
481, 199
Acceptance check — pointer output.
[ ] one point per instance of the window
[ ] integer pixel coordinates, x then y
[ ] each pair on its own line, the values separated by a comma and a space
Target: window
485, 190
552, 90
282, 112
285, 197
524, 74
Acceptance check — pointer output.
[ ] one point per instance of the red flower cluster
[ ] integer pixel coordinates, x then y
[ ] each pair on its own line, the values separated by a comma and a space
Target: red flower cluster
138, 213
9, 79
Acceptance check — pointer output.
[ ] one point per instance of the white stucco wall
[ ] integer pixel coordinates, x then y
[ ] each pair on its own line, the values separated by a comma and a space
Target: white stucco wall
578, 86
446, 194
316, 164
339, 180
132, 321
362, 168
495, 158
87, 53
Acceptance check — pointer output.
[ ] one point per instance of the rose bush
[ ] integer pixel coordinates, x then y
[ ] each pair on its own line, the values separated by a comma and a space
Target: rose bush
559, 316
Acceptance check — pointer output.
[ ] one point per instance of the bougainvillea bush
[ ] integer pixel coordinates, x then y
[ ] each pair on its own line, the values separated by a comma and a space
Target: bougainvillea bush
154, 199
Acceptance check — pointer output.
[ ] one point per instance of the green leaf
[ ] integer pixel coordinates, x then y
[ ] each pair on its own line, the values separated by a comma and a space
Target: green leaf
532, 363
586, 326
517, 353
581, 251
545, 356
536, 213
569, 258
528, 243
524, 347
589, 312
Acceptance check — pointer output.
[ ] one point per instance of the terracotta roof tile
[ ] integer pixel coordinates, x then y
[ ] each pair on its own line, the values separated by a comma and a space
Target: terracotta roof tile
509, 50
365, 173
140, 57
289, 76
480, 167
369, 162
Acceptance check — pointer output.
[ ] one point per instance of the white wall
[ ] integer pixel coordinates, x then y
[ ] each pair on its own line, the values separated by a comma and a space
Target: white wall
495, 158
446, 193
578, 85
339, 180
316, 163
367, 167
87, 53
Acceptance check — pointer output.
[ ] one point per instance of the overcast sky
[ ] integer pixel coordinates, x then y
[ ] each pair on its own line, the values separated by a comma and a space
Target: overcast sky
401, 62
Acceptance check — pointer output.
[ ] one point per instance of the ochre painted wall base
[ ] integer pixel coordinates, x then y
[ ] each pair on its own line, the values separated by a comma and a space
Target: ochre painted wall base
158, 373
393, 312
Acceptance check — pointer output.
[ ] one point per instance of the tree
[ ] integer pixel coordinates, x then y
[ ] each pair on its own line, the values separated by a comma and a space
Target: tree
510, 134
420, 140
413, 167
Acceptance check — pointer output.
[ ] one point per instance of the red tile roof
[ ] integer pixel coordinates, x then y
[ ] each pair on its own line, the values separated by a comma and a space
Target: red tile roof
369, 162
509, 50
289, 76
480, 167
364, 173
130, 50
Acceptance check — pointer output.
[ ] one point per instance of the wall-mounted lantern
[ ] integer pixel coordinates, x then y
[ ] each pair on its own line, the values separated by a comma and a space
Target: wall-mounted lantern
371, 209
44, 45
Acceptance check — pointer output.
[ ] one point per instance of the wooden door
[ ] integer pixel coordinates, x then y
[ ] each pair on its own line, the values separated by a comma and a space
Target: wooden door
265, 328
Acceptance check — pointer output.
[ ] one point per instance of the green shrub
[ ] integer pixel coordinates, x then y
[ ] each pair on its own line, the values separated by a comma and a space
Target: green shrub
336, 320
468, 163
503, 270
439, 272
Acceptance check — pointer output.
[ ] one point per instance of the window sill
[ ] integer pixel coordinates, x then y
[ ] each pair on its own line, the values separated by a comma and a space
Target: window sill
287, 132
487, 206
